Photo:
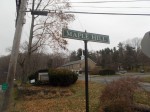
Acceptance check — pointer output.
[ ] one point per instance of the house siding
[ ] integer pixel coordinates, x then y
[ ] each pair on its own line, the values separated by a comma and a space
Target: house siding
79, 65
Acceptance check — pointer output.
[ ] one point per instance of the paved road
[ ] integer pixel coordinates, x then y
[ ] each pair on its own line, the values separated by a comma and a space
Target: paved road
107, 79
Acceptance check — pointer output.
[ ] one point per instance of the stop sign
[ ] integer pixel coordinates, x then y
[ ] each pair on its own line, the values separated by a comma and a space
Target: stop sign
145, 44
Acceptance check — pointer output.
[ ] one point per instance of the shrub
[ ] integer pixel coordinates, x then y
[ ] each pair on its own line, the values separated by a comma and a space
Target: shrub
118, 95
62, 77
95, 71
107, 72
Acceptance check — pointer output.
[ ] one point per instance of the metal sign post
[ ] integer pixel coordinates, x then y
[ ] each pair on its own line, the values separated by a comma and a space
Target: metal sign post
72, 34
86, 77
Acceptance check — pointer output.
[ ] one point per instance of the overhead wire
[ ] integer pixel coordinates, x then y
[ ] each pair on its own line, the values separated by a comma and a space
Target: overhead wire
99, 13
109, 7
112, 1
81, 27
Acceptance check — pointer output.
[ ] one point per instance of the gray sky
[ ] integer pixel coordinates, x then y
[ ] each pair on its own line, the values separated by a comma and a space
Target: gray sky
7, 24
119, 28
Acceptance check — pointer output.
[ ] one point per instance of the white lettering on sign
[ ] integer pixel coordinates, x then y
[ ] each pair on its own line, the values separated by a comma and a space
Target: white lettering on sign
66, 33
69, 33
76, 35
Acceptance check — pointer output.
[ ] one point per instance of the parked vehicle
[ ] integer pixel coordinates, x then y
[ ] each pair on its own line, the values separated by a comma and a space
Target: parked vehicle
142, 71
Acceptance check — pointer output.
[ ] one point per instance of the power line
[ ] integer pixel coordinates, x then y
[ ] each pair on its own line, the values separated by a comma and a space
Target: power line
108, 7
98, 13
81, 27
112, 1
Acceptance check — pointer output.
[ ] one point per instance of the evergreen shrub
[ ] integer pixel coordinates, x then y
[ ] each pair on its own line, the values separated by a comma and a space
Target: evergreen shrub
62, 77
95, 71
107, 72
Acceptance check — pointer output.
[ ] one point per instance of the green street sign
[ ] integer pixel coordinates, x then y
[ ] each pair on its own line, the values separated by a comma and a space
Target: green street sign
4, 86
72, 34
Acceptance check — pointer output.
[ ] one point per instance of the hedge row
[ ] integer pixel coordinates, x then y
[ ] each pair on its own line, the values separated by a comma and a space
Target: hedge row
107, 72
62, 77
57, 77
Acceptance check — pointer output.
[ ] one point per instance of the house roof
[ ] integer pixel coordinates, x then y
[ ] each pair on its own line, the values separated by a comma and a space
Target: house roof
72, 62
75, 62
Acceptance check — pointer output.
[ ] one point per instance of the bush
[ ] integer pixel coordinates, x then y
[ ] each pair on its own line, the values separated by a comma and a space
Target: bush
62, 77
118, 96
95, 71
57, 77
107, 72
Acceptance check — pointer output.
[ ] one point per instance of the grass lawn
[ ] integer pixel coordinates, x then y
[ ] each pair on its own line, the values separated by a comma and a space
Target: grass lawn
67, 99
142, 97
146, 79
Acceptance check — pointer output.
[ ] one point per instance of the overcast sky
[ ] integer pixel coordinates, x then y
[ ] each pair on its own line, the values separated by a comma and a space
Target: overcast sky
119, 28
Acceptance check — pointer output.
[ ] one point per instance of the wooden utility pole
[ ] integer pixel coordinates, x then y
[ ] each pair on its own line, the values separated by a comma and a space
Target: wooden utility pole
31, 30
14, 56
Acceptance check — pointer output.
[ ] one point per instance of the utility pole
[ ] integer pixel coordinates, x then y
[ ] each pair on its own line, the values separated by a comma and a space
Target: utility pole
34, 12
31, 30
14, 56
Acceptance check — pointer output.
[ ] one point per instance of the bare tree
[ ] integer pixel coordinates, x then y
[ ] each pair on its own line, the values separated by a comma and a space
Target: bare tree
47, 30
135, 43
56, 59
38, 60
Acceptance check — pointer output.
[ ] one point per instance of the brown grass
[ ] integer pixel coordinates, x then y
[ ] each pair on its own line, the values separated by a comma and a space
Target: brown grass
66, 99
1, 98
73, 101
142, 97
145, 79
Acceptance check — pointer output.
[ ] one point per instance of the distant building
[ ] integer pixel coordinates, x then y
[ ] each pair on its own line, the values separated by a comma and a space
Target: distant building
79, 65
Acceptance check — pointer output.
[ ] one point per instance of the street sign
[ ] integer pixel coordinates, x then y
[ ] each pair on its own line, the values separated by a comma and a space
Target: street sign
145, 44
4, 86
72, 34
78, 35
